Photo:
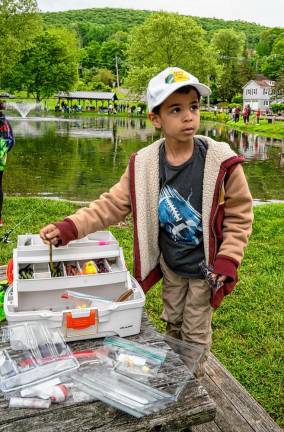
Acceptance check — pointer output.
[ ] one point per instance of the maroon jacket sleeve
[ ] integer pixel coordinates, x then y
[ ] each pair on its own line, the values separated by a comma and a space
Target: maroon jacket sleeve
68, 231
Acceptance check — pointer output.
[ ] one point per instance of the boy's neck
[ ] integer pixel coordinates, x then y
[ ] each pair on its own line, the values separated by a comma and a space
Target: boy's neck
177, 153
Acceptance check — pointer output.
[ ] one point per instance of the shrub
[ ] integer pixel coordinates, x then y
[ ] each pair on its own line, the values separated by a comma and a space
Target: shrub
277, 107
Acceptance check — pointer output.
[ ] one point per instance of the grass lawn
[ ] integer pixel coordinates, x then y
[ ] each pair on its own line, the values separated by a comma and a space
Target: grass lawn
248, 327
274, 130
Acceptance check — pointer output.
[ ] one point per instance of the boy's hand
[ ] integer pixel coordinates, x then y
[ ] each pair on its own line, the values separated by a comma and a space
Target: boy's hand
50, 234
217, 281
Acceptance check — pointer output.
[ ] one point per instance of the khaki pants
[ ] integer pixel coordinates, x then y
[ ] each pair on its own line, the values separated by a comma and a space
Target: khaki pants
187, 311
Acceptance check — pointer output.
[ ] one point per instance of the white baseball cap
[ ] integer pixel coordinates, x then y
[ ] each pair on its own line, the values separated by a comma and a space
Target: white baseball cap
168, 81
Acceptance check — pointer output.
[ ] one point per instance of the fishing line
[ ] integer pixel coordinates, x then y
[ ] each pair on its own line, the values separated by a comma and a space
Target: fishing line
5, 238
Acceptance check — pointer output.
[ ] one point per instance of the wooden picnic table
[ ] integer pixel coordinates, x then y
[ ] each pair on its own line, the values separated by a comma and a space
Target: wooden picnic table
194, 407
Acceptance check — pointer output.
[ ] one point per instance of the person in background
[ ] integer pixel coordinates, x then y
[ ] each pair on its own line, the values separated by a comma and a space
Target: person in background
6, 143
237, 114
245, 114
248, 112
257, 115
191, 207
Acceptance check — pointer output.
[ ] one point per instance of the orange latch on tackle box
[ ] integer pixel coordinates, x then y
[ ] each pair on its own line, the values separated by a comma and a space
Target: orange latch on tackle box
81, 322
9, 271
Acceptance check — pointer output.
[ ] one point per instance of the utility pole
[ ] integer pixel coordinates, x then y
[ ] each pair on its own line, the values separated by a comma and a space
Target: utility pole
208, 97
117, 75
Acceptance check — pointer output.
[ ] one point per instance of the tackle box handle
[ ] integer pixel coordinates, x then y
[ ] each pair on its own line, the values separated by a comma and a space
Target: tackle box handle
81, 322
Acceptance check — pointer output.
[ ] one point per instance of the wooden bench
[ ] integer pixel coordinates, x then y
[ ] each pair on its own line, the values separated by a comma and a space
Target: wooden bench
272, 118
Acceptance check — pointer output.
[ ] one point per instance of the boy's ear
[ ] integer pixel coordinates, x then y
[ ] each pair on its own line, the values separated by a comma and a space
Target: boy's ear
155, 119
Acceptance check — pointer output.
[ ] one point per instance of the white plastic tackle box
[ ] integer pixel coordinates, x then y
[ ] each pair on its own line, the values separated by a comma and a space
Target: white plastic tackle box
36, 292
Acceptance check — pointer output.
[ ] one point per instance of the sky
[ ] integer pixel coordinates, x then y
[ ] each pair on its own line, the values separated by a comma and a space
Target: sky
266, 12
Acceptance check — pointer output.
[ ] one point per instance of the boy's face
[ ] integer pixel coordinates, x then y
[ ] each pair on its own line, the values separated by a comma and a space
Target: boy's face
179, 117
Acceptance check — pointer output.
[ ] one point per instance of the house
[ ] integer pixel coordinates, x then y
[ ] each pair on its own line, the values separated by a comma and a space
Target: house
258, 93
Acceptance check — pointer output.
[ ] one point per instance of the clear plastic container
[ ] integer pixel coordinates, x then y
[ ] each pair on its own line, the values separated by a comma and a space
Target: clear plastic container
31, 353
121, 392
189, 352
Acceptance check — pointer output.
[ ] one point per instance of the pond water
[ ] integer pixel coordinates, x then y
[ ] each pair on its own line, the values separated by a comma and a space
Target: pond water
78, 159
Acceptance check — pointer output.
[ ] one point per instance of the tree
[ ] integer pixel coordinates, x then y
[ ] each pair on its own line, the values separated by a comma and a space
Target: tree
91, 55
20, 22
273, 65
112, 48
167, 39
105, 76
267, 39
230, 48
49, 65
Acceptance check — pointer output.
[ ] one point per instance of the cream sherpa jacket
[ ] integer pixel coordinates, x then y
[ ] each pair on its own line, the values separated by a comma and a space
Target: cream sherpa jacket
226, 213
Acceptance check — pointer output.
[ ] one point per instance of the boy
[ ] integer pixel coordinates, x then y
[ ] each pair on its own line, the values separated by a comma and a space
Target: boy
190, 204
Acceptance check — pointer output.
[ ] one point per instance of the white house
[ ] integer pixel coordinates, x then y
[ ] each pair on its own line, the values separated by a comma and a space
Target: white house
257, 93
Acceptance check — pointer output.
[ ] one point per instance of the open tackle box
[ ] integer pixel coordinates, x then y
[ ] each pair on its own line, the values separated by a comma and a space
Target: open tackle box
38, 291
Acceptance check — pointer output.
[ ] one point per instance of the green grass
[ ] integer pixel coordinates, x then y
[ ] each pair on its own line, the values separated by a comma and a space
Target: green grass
274, 130
248, 327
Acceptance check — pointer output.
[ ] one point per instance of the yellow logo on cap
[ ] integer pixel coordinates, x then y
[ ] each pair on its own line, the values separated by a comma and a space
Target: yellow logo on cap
177, 76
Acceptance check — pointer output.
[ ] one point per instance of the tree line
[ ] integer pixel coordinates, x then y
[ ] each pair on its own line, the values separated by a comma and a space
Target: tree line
44, 53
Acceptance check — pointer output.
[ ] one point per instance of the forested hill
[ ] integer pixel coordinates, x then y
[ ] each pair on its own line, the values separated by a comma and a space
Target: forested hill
123, 19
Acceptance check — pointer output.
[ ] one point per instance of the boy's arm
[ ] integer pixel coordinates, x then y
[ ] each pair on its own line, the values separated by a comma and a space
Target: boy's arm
110, 208
237, 224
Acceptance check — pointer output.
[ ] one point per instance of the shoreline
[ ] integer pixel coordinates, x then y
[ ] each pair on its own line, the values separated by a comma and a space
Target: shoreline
266, 129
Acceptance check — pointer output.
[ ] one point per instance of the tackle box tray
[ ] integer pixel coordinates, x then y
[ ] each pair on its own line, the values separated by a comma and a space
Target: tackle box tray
32, 271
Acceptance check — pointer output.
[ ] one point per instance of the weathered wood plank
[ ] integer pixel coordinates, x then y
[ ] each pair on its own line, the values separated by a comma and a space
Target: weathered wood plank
207, 427
237, 411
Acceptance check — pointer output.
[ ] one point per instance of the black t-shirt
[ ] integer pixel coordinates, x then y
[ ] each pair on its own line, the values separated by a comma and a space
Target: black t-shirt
180, 212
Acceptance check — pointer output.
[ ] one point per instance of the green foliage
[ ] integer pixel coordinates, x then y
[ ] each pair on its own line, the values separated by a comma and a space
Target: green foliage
91, 55
105, 76
100, 86
237, 99
49, 65
110, 50
102, 37
277, 107
267, 39
20, 22
229, 45
124, 19
272, 47
121, 19
181, 43
252, 31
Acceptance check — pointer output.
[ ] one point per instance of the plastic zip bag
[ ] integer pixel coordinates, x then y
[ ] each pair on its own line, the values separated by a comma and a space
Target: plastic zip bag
124, 393
144, 350
134, 359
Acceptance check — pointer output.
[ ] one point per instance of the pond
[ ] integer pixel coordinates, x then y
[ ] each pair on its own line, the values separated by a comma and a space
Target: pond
78, 159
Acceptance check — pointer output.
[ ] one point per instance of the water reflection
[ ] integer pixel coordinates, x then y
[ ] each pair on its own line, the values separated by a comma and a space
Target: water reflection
80, 158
